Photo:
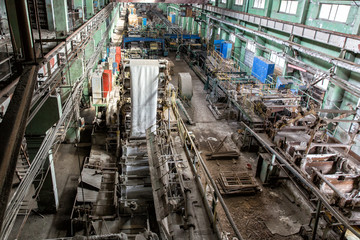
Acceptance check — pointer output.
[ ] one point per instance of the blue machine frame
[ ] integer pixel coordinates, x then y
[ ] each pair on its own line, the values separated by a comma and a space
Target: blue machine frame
183, 36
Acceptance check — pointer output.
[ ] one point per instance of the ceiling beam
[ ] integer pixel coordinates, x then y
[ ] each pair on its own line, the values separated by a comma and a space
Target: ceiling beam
164, 1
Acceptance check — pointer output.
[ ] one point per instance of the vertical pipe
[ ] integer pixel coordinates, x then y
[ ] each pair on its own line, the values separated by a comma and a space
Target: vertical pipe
25, 33
38, 26
318, 209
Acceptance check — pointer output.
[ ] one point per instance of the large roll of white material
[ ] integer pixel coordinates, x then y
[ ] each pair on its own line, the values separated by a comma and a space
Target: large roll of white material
185, 86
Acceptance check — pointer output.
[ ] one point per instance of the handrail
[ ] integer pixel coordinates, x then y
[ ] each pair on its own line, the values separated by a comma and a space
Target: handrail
335, 213
185, 135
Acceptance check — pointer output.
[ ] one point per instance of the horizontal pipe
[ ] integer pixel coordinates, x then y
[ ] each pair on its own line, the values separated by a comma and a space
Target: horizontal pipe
311, 52
333, 60
311, 186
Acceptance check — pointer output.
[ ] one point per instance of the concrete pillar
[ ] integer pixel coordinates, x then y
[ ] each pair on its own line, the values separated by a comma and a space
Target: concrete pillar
335, 94
76, 72
50, 14
89, 9
61, 18
304, 12
268, 8
48, 114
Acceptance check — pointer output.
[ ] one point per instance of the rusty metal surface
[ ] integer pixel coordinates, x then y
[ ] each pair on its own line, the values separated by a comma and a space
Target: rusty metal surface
12, 131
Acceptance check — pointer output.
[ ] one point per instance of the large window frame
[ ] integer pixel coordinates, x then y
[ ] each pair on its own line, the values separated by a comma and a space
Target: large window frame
288, 6
239, 2
334, 12
259, 4
278, 60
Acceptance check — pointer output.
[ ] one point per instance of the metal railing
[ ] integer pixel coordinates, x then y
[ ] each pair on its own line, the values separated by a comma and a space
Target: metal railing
209, 190
48, 142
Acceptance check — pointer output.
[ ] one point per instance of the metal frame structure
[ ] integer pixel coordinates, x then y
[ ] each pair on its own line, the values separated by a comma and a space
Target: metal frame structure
45, 87
336, 39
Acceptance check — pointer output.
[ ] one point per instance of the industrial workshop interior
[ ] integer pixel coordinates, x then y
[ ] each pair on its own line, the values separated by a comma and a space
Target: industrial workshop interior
180, 119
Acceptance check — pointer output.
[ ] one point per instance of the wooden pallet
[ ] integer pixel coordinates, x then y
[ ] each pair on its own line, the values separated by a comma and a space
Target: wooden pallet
237, 183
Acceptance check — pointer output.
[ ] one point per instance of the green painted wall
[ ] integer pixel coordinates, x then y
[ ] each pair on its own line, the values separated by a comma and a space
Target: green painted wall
307, 13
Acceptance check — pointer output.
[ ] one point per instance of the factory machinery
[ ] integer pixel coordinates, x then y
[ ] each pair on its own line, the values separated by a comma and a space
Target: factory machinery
282, 119
144, 178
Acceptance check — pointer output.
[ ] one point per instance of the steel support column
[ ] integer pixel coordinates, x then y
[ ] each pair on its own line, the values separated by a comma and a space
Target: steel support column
20, 28
12, 130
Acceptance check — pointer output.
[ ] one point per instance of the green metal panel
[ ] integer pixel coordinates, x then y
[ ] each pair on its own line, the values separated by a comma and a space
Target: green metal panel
61, 18
45, 118
89, 8
348, 27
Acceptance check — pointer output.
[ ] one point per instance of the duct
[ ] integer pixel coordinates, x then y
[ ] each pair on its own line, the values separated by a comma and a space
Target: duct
336, 61
313, 189
144, 91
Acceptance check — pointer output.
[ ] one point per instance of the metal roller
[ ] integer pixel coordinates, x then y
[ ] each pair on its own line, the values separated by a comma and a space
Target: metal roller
185, 85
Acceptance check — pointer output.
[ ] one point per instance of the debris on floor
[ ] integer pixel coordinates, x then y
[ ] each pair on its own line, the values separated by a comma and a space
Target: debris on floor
237, 183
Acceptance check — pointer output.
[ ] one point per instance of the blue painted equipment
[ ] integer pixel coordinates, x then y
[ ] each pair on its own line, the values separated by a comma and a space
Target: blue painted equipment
262, 68
144, 22
115, 67
172, 17
183, 36
217, 44
225, 49
289, 82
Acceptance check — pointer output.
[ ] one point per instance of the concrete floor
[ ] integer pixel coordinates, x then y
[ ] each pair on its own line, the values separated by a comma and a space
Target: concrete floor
67, 161
254, 215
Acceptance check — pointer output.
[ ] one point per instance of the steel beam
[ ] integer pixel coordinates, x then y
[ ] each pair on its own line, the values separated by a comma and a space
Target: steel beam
12, 130
349, 42
351, 88
164, 1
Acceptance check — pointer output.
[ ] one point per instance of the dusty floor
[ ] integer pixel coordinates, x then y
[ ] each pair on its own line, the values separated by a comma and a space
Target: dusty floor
254, 215
67, 161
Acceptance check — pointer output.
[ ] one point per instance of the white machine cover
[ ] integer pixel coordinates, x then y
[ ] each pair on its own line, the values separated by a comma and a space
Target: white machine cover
144, 92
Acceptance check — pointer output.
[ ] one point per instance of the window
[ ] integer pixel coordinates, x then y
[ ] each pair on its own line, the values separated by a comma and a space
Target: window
239, 2
334, 12
223, 1
288, 6
232, 37
259, 4
280, 61
251, 46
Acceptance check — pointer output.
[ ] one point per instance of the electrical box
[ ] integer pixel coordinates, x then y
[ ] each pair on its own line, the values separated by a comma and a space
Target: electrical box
262, 68
106, 82
225, 49
217, 44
